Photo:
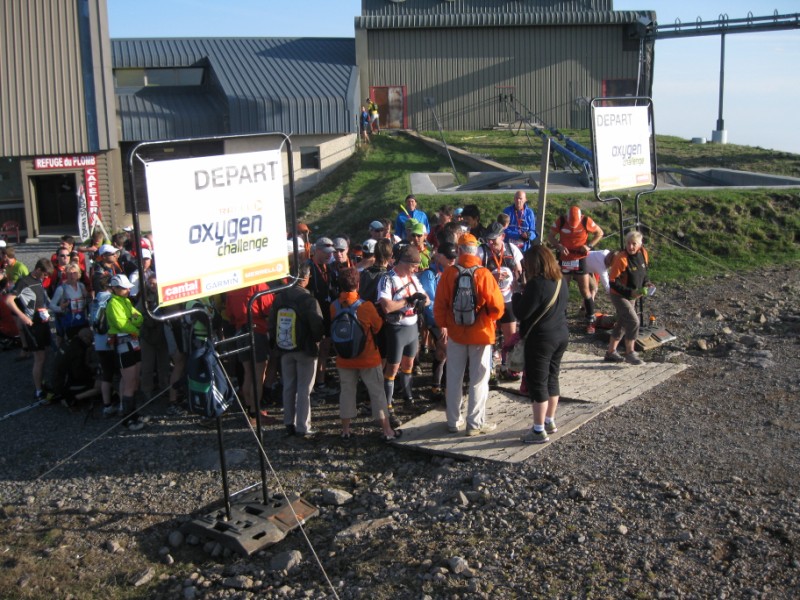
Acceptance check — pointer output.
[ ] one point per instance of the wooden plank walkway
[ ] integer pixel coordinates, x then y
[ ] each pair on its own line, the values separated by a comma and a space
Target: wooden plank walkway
589, 387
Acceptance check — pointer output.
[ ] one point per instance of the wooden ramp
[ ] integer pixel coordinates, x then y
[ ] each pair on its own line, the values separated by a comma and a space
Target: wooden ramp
589, 386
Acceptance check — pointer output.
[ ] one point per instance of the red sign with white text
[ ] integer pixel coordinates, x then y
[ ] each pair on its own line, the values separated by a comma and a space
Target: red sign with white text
64, 162
92, 195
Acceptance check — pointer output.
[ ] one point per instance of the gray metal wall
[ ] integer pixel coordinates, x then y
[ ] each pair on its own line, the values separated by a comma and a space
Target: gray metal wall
44, 49
461, 68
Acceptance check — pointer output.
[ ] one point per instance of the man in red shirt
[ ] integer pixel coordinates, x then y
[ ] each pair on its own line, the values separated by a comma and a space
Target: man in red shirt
569, 235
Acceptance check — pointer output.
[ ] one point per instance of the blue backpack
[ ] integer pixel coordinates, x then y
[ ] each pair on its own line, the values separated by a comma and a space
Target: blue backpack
347, 333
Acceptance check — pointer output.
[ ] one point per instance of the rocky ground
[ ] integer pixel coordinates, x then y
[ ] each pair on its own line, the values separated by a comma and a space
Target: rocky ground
688, 492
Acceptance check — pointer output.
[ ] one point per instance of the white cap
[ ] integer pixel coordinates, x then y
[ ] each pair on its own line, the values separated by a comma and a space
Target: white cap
369, 246
120, 281
107, 249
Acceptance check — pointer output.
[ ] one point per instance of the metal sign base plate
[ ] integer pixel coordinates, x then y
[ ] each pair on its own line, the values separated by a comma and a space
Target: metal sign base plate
653, 337
253, 525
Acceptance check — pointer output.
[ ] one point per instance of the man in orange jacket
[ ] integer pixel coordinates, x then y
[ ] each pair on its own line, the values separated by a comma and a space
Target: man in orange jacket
471, 342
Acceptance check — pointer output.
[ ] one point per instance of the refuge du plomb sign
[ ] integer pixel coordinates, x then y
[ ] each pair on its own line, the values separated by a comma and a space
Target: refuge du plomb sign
218, 222
622, 147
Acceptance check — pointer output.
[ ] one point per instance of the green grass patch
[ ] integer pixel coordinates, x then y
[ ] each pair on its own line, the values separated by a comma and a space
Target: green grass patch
688, 232
524, 152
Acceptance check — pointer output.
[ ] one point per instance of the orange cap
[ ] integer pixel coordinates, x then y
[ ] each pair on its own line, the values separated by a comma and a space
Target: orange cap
303, 228
574, 216
467, 239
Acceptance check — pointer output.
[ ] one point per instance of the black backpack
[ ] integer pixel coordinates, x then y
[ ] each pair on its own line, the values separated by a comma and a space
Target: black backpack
210, 393
347, 333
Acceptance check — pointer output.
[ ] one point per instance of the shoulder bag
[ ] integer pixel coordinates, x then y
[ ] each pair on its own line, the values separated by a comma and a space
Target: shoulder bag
516, 358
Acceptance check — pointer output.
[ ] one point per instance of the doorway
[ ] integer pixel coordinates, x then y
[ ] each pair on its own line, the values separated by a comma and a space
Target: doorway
56, 203
391, 101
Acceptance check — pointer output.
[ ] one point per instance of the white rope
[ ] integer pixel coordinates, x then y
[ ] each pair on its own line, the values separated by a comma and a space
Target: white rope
281, 489
102, 435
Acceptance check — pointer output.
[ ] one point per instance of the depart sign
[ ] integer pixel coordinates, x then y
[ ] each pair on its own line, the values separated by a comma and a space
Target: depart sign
622, 137
219, 223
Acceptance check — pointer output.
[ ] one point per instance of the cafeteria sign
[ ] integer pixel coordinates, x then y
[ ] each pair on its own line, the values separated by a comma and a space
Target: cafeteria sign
219, 223
622, 137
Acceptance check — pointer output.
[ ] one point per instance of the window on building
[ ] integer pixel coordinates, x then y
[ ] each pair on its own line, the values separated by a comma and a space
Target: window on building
618, 88
129, 77
158, 77
309, 158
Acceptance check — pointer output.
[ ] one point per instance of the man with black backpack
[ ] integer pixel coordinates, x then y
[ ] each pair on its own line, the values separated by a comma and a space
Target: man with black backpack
296, 328
401, 298
468, 304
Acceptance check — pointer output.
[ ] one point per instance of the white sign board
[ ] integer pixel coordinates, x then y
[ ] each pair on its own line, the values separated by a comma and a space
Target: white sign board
219, 223
622, 147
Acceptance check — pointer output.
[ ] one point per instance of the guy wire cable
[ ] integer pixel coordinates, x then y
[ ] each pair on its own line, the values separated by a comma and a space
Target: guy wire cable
282, 490
261, 449
683, 246
103, 434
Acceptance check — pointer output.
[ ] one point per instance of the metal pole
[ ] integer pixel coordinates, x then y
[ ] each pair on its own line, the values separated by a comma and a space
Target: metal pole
223, 467
544, 173
720, 121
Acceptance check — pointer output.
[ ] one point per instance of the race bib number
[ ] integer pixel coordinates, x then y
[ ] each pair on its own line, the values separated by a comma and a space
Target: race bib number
570, 265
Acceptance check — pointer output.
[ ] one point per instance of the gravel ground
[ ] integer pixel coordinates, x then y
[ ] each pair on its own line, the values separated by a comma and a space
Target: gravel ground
688, 492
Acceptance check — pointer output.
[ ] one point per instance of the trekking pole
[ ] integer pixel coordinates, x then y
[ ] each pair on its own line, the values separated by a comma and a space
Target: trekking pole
19, 411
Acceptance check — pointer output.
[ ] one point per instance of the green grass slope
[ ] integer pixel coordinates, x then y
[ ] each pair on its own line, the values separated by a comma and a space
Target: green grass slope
688, 232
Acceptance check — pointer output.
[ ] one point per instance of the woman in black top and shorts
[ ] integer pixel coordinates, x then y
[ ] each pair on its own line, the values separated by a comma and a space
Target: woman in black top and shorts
547, 340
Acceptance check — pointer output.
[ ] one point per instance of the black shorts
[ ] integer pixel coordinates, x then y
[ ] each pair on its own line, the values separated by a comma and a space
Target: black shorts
508, 315
129, 353
37, 336
401, 340
107, 365
261, 341
568, 267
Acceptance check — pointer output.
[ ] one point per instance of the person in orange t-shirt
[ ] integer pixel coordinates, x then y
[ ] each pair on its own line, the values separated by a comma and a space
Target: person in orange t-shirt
366, 365
569, 235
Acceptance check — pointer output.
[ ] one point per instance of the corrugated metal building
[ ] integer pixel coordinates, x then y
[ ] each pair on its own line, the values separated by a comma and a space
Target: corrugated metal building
56, 111
199, 87
464, 56
60, 83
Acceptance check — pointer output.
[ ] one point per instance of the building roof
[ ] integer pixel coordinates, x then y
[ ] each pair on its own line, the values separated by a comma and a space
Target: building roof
301, 86
397, 7
416, 14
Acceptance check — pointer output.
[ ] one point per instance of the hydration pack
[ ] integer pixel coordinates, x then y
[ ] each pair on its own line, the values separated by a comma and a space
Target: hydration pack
347, 333
465, 296
288, 338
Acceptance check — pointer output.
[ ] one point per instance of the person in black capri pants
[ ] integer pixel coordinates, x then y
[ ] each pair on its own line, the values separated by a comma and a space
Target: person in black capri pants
546, 342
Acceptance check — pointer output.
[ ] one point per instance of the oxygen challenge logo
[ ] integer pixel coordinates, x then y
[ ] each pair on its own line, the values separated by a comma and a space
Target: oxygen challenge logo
234, 235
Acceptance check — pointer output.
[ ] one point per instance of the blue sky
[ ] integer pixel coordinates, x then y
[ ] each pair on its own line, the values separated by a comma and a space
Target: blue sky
762, 72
